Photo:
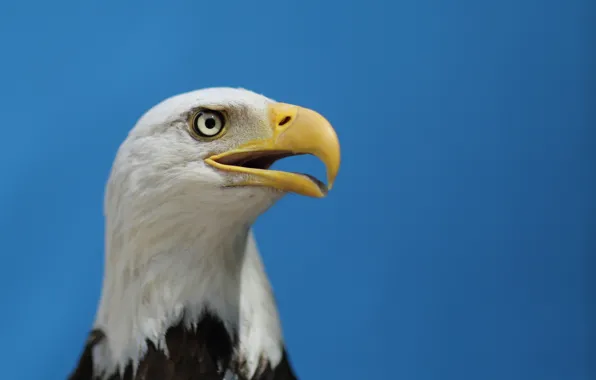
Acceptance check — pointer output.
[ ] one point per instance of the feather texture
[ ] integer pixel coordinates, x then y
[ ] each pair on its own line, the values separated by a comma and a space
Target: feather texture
205, 353
185, 294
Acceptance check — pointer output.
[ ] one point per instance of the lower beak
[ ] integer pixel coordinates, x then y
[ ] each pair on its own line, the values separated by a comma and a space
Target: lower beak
296, 131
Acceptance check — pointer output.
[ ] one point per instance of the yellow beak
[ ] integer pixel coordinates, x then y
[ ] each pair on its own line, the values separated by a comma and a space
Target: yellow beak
296, 131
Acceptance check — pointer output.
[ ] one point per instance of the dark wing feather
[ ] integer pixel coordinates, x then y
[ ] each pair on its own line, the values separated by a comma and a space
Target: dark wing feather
283, 371
193, 355
84, 369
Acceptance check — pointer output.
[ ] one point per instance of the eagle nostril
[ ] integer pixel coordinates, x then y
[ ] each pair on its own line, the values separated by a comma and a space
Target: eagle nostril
284, 121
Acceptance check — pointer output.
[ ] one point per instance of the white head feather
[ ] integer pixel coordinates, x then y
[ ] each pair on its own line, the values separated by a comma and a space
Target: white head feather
176, 240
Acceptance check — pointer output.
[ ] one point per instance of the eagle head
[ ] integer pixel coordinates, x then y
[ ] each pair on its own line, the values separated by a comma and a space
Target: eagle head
185, 187
214, 148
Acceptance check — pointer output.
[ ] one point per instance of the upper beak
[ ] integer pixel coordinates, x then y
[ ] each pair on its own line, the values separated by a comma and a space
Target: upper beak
296, 130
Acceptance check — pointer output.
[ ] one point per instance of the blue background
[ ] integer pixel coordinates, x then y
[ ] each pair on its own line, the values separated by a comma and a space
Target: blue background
459, 241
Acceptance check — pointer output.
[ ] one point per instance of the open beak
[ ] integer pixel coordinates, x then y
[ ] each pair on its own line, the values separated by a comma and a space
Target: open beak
296, 131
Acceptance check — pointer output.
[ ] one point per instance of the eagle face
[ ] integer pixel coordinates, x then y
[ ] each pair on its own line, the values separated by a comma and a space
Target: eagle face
214, 148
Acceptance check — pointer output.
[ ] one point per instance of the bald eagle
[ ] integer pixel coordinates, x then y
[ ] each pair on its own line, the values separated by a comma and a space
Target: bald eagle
185, 294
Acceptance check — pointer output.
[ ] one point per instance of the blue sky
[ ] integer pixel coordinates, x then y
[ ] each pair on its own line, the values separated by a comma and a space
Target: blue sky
458, 242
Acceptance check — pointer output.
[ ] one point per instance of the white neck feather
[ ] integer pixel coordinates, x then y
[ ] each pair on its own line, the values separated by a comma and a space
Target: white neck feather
165, 265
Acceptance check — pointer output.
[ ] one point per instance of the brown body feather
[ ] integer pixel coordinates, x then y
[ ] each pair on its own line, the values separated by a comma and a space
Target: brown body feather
201, 354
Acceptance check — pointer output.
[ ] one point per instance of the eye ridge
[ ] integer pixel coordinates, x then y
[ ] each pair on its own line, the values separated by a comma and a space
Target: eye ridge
208, 124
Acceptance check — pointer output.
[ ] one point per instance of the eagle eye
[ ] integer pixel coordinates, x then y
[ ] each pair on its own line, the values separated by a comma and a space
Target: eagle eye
207, 124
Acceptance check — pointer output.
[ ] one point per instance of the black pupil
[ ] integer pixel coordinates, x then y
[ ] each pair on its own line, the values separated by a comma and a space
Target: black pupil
210, 122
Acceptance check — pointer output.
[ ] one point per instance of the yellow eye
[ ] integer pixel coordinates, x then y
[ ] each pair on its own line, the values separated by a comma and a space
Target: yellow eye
208, 124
